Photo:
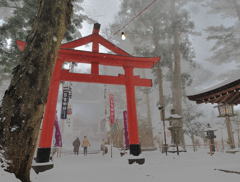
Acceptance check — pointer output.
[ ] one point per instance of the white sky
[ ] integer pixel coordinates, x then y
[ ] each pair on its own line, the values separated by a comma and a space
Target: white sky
104, 12
203, 47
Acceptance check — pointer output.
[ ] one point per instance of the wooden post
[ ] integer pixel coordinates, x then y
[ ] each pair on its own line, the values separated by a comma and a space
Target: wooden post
230, 133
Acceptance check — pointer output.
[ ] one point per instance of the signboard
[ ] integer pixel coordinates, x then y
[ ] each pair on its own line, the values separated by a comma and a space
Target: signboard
65, 100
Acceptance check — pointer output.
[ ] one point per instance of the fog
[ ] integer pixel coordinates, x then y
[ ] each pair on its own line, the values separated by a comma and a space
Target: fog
88, 103
88, 99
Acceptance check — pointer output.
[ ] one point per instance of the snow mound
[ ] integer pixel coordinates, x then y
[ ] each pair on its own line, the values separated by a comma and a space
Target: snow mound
7, 177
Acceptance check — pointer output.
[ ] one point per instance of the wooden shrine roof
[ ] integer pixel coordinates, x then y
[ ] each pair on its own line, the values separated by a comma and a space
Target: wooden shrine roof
227, 93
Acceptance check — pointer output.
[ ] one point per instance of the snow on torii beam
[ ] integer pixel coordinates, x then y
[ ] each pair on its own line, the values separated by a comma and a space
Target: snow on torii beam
123, 59
106, 59
71, 55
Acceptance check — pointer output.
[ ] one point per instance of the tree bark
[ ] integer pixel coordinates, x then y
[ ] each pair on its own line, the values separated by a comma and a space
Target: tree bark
160, 91
177, 81
238, 131
193, 143
149, 118
23, 103
156, 38
237, 8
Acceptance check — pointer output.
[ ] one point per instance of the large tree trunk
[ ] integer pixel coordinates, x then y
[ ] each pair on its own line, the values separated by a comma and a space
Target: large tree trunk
162, 106
23, 103
193, 143
177, 81
149, 118
156, 38
161, 94
237, 8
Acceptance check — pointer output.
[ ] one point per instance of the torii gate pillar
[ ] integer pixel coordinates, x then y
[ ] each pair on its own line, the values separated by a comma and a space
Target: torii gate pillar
134, 145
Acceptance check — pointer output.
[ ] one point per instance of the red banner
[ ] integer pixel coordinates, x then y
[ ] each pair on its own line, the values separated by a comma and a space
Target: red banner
112, 111
58, 137
125, 129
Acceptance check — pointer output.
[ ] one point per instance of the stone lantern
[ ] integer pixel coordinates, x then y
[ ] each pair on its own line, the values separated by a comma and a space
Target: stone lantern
174, 127
210, 136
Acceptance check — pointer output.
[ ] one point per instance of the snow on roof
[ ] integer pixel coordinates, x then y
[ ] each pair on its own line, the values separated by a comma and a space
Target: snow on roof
227, 82
174, 116
210, 129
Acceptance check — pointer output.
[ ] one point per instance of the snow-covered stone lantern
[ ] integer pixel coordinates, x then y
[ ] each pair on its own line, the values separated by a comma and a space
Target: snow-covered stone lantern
210, 136
174, 127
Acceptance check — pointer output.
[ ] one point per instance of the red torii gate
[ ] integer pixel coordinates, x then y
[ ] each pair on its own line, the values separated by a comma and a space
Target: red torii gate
121, 58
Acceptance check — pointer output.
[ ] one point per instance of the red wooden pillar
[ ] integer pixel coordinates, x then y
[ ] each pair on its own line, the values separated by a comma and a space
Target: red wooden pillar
134, 145
44, 149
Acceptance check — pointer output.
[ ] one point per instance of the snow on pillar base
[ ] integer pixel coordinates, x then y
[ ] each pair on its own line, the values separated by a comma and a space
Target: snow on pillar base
135, 149
43, 155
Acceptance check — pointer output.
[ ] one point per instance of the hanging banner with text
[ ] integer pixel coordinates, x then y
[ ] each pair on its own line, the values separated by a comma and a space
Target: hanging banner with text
112, 111
65, 100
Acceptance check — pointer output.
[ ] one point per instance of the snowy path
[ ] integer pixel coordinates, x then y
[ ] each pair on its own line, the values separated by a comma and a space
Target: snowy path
189, 167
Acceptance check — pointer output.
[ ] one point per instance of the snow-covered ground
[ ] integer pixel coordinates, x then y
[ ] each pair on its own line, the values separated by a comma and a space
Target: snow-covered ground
188, 167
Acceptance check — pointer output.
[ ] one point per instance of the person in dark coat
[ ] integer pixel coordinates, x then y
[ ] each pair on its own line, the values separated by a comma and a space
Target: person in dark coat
76, 145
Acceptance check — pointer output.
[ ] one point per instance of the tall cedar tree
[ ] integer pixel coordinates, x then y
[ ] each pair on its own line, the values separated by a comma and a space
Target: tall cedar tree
226, 37
23, 103
161, 30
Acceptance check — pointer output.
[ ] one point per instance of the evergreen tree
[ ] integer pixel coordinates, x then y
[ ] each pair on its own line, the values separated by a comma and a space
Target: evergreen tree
17, 25
226, 37
23, 103
192, 126
161, 30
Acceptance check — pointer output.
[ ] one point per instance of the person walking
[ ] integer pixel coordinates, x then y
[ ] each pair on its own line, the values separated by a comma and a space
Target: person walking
76, 145
85, 145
